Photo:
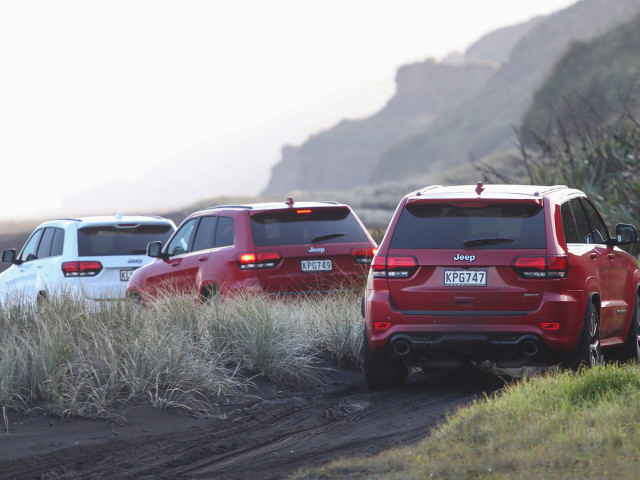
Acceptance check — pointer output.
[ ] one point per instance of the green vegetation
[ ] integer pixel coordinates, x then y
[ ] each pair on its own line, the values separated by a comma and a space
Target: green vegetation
600, 158
558, 425
603, 160
582, 128
592, 82
71, 357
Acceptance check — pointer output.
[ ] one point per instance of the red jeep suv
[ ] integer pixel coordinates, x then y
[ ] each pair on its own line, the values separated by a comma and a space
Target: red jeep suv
277, 248
511, 274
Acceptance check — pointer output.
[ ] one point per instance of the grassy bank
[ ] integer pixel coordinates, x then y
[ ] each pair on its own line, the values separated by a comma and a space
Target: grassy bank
73, 357
559, 425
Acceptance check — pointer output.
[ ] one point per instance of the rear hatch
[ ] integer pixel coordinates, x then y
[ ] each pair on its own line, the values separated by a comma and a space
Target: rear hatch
311, 249
108, 254
482, 256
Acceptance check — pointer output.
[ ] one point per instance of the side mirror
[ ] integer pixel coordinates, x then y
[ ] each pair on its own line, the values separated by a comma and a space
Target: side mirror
154, 250
626, 234
9, 256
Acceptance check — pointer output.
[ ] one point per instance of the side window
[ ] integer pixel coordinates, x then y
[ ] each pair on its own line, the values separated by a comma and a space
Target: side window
205, 234
584, 232
599, 232
30, 248
225, 234
569, 224
57, 243
179, 244
44, 249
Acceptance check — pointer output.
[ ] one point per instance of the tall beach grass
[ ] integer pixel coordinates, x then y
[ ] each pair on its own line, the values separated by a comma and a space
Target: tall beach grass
69, 356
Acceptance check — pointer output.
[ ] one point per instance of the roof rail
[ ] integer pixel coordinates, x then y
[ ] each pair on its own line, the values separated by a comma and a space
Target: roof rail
418, 193
247, 207
550, 189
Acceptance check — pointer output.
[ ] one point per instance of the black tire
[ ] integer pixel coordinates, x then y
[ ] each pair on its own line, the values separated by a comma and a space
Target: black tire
42, 300
588, 352
209, 294
380, 372
135, 298
630, 349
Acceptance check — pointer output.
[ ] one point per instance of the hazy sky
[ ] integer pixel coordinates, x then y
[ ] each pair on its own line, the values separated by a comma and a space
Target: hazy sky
105, 92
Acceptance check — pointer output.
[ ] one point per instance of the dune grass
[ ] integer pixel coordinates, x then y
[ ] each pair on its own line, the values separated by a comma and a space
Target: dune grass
559, 425
72, 357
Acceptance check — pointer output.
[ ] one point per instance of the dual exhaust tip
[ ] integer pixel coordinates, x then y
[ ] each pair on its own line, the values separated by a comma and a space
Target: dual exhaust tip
402, 346
529, 346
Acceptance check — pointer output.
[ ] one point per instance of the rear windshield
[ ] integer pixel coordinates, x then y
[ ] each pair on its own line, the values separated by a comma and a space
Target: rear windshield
114, 240
495, 226
317, 226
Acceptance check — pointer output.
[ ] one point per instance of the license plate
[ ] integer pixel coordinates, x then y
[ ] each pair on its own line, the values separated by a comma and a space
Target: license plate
465, 278
125, 275
316, 265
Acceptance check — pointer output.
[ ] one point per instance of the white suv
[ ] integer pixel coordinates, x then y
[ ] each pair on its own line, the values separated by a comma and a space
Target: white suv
91, 256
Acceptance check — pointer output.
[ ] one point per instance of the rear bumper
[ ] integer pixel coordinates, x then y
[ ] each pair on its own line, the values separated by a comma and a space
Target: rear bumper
505, 348
467, 335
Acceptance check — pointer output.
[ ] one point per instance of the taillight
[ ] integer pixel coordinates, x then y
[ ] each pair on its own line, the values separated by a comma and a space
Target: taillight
550, 325
394, 267
81, 269
363, 254
250, 261
541, 267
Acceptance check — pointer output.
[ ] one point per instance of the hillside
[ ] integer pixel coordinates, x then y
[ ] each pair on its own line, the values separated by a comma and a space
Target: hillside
439, 129
484, 124
593, 81
496, 46
341, 157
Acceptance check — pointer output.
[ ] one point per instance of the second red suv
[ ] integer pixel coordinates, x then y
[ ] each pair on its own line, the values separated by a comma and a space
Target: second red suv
279, 248
512, 274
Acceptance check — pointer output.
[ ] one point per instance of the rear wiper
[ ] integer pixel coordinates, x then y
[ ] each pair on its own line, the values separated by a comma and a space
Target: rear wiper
478, 242
329, 236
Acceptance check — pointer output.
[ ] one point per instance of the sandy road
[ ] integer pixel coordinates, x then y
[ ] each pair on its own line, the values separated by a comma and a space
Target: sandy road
266, 437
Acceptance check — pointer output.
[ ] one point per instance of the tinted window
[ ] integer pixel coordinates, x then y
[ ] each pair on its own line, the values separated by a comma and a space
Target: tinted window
584, 230
206, 234
599, 233
225, 232
443, 226
181, 241
325, 225
569, 224
58, 242
114, 240
44, 249
30, 248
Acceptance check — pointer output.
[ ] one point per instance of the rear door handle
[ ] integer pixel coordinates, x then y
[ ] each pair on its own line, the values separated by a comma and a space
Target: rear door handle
203, 258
